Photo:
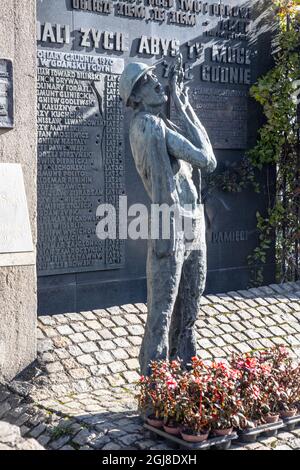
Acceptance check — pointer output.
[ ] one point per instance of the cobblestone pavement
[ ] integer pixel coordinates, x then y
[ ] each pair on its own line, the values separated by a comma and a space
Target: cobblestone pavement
80, 392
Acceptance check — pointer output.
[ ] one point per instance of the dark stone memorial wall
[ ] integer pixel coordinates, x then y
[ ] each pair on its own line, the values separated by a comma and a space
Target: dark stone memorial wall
84, 157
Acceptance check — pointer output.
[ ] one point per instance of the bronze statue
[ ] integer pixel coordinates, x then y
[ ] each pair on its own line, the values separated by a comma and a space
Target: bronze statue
165, 155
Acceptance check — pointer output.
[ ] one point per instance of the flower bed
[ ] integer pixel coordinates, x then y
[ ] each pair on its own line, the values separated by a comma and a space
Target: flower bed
248, 394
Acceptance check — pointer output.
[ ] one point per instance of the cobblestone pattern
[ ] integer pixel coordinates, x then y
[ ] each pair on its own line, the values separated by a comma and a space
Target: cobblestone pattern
89, 350
80, 393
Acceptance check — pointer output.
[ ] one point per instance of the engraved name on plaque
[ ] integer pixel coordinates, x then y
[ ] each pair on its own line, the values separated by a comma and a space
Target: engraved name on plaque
6, 94
80, 159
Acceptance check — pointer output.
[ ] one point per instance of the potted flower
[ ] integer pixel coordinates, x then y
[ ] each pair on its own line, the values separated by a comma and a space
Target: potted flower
149, 402
172, 410
196, 425
196, 407
223, 395
152, 392
277, 384
174, 388
288, 378
248, 370
159, 395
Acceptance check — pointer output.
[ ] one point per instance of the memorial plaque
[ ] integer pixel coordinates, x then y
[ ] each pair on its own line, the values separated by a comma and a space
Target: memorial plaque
224, 115
15, 231
6, 94
84, 156
80, 159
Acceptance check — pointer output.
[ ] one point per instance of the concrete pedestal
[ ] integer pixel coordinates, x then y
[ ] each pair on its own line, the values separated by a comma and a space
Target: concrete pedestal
18, 145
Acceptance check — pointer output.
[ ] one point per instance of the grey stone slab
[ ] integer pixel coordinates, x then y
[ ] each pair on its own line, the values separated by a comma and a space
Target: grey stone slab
277, 288
227, 328
4, 408
15, 230
112, 446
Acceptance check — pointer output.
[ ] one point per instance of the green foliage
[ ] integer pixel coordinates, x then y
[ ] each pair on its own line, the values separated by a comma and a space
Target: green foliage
278, 145
234, 179
61, 431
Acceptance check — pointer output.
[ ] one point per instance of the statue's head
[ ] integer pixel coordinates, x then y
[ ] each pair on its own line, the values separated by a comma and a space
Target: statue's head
140, 88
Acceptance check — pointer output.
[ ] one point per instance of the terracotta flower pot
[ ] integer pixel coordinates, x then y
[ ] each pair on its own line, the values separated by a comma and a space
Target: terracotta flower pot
223, 432
271, 418
194, 437
155, 422
288, 414
174, 430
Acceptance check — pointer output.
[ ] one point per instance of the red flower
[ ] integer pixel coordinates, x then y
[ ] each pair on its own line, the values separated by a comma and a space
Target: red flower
251, 363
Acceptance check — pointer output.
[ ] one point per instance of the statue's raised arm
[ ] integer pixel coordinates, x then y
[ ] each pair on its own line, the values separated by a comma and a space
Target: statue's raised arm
193, 127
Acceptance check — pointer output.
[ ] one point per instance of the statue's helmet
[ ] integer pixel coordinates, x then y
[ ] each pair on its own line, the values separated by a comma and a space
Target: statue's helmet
130, 76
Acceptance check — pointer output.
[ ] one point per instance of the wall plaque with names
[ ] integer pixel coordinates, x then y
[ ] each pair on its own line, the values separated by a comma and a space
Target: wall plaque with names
6, 94
80, 160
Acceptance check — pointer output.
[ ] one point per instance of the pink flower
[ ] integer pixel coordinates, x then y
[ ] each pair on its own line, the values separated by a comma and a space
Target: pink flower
235, 374
282, 350
240, 364
171, 384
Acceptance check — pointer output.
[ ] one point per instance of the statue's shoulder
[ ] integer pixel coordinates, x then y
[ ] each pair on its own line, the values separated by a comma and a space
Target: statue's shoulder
145, 122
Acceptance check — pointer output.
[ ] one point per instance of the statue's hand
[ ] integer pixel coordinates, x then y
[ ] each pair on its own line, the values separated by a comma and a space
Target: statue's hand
179, 92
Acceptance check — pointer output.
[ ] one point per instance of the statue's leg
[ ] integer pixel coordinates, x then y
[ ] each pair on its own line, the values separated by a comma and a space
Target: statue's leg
175, 326
182, 332
163, 277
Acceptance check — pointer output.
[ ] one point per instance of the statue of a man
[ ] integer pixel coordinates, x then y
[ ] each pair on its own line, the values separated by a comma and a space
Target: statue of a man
165, 156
